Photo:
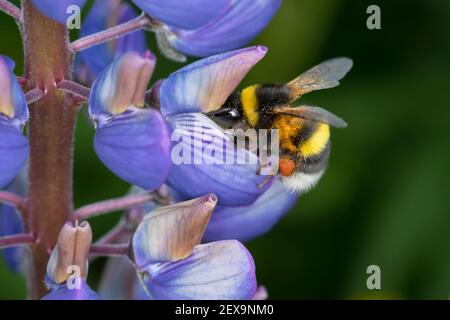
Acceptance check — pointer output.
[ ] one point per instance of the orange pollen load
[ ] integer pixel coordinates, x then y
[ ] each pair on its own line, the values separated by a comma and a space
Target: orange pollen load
287, 167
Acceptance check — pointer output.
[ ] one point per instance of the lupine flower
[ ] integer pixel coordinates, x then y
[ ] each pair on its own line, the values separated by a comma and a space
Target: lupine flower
131, 141
173, 264
71, 250
13, 115
239, 24
201, 87
248, 222
104, 14
195, 27
11, 222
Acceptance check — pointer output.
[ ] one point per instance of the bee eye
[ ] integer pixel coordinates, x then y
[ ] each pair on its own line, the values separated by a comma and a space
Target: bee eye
235, 113
287, 167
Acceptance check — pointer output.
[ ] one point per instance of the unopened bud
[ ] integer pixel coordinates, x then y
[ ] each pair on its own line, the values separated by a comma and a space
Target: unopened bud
72, 249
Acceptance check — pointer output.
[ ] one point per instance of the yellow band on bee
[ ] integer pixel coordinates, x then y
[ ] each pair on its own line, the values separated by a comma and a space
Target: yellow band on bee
249, 102
315, 144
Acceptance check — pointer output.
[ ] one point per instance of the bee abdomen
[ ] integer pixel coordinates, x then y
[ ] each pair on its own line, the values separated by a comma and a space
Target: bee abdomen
317, 162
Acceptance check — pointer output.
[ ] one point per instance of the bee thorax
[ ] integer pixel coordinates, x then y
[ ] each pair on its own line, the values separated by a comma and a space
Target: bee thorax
302, 182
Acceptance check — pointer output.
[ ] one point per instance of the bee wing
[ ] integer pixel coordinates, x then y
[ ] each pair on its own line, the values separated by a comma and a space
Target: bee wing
316, 114
323, 76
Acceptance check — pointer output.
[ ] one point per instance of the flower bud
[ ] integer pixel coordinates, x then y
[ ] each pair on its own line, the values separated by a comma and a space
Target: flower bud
121, 84
170, 233
72, 249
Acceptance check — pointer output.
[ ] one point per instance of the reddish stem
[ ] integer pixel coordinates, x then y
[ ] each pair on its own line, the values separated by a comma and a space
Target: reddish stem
12, 199
110, 249
10, 9
16, 240
50, 135
22, 81
114, 234
106, 206
109, 34
34, 95
75, 88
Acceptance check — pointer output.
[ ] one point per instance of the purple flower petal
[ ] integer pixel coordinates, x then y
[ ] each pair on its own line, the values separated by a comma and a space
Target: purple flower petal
190, 14
64, 293
205, 161
13, 151
135, 146
57, 10
248, 222
10, 223
220, 270
105, 14
239, 25
206, 84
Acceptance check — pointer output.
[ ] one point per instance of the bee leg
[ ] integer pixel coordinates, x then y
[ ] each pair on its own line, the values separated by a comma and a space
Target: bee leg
265, 181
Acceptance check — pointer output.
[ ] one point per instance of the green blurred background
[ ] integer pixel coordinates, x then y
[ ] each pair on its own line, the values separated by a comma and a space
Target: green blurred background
384, 198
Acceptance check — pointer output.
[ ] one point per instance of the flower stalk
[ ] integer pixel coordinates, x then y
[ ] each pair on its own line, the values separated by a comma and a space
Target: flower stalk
16, 240
106, 206
12, 199
10, 9
110, 249
140, 22
34, 95
75, 89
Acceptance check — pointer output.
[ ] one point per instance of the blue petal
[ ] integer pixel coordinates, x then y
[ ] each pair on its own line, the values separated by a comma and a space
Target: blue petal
13, 151
197, 170
135, 146
242, 22
103, 15
190, 14
64, 293
248, 222
220, 270
10, 223
206, 84
57, 10
12, 100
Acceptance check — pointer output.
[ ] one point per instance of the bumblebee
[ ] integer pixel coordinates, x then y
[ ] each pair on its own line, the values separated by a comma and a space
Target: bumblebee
304, 131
